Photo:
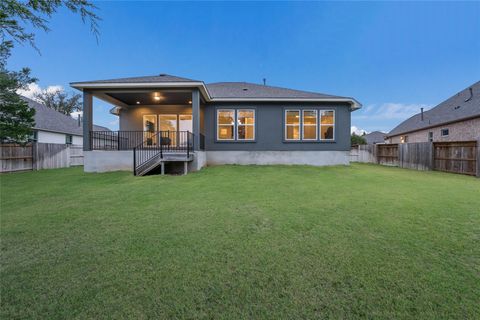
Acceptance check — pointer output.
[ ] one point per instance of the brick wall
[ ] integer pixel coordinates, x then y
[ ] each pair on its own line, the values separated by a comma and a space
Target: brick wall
459, 131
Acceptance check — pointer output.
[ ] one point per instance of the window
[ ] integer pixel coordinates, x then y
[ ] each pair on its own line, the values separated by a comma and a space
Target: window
292, 124
430, 136
236, 124
309, 124
68, 139
245, 124
34, 136
403, 139
327, 125
225, 124
444, 132
150, 123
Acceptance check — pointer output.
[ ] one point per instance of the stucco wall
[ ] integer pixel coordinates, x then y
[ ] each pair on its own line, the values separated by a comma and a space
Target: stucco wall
459, 131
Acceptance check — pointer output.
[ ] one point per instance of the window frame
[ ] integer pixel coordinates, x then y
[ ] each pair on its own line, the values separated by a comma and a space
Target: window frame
235, 138
69, 139
302, 122
217, 126
286, 125
237, 125
333, 125
444, 129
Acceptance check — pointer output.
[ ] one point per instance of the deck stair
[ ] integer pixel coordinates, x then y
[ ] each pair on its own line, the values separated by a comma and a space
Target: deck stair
162, 147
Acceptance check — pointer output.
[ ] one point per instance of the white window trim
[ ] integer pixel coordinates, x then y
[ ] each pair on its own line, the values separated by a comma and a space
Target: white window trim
444, 135
234, 124
292, 125
320, 123
237, 125
309, 125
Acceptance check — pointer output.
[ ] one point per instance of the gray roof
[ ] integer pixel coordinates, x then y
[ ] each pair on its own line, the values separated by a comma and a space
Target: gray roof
375, 137
219, 90
461, 106
157, 78
50, 120
252, 90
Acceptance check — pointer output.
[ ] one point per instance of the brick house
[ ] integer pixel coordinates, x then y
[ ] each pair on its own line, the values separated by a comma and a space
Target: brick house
455, 119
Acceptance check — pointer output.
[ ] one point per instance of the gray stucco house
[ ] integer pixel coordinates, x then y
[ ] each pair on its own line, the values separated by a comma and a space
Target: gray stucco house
166, 119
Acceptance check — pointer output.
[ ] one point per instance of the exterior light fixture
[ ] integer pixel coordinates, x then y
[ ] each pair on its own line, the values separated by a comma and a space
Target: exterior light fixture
138, 102
156, 98
189, 101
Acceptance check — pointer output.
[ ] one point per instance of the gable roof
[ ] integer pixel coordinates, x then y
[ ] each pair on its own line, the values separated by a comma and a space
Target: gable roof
218, 92
375, 137
48, 119
463, 105
252, 90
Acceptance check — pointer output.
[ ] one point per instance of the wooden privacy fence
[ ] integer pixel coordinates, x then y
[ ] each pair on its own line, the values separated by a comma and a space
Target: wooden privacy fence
457, 157
39, 156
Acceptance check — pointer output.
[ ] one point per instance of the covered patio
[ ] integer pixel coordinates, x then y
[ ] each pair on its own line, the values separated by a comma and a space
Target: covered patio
160, 119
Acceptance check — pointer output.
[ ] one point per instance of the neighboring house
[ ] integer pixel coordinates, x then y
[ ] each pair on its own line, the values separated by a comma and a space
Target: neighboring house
171, 119
54, 127
375, 137
455, 119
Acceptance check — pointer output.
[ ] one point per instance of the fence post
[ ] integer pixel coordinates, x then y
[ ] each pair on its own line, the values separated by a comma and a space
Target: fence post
478, 158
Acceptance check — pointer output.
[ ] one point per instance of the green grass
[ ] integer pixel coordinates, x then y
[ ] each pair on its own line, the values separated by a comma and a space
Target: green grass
277, 242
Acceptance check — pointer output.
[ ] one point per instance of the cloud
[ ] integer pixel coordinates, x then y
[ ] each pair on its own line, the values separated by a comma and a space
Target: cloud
357, 131
34, 89
76, 114
391, 111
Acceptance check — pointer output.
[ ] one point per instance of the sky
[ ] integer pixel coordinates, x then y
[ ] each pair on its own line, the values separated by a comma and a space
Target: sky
392, 57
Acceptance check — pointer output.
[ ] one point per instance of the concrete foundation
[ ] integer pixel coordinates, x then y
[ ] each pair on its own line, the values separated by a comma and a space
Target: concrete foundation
314, 158
103, 161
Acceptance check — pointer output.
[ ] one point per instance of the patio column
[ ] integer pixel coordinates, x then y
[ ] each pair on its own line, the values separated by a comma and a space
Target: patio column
87, 120
196, 118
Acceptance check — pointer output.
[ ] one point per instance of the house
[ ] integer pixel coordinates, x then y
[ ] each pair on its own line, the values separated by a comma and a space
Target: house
375, 137
54, 127
166, 119
455, 119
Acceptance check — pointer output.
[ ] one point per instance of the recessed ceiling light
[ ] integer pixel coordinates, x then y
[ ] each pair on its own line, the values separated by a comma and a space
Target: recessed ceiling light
138, 102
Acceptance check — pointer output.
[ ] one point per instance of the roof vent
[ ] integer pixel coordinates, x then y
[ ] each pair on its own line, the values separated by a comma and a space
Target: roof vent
471, 94
245, 89
457, 107
162, 74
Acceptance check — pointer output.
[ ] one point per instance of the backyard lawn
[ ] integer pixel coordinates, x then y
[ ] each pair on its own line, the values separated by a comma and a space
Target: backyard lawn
230, 242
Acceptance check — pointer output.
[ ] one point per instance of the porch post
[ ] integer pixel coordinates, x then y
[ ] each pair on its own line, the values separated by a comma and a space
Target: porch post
196, 118
87, 120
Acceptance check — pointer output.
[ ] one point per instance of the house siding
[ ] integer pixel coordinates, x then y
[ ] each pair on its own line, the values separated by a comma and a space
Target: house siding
467, 130
269, 134
56, 137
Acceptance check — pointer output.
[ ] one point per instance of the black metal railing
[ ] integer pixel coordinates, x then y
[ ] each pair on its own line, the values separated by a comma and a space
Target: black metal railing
116, 140
156, 144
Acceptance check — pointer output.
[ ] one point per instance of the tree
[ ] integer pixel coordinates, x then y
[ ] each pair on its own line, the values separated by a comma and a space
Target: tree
356, 139
60, 101
16, 117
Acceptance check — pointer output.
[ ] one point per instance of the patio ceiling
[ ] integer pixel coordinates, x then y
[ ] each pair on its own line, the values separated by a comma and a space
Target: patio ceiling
152, 97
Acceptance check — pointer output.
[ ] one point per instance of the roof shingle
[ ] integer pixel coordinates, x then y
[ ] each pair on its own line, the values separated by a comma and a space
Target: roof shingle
461, 106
